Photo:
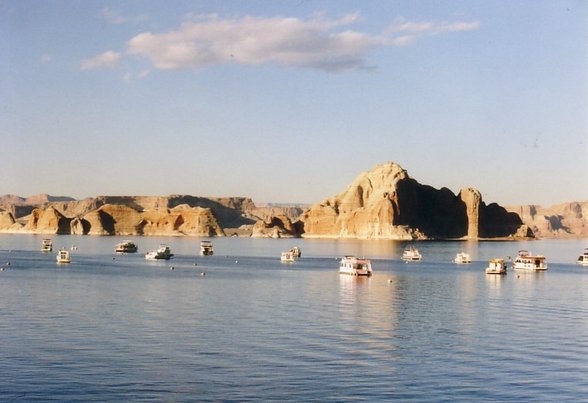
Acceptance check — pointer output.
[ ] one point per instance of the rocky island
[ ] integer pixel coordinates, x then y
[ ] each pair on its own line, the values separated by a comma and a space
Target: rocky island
384, 203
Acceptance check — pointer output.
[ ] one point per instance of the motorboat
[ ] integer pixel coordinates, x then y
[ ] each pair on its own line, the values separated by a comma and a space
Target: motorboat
296, 251
287, 257
206, 248
126, 246
355, 266
46, 245
411, 254
63, 256
162, 253
526, 261
496, 266
583, 258
462, 258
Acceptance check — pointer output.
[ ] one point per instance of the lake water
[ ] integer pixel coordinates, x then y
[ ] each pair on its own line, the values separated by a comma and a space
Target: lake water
119, 328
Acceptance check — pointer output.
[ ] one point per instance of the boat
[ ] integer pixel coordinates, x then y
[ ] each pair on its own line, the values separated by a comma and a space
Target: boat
296, 251
46, 245
496, 266
63, 256
411, 254
583, 258
526, 261
162, 253
355, 266
462, 258
287, 257
126, 246
206, 248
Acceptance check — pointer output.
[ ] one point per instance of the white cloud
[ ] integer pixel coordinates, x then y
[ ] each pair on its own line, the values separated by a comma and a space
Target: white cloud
128, 77
114, 17
404, 40
107, 59
318, 43
256, 40
430, 27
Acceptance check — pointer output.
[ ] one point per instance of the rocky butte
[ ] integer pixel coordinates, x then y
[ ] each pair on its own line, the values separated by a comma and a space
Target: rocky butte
386, 203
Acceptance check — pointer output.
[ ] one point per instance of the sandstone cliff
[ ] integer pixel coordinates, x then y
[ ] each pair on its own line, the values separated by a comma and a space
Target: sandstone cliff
386, 203
47, 221
564, 220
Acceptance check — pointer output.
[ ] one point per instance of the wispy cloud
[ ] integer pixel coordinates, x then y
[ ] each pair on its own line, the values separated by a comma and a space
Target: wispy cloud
404, 32
129, 77
430, 27
317, 43
115, 17
107, 59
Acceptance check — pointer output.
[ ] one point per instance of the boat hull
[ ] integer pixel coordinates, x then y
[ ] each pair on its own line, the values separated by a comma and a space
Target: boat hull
495, 271
356, 273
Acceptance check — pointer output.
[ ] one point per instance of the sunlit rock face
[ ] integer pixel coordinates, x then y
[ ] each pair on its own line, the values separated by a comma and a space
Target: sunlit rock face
386, 203
565, 220
47, 221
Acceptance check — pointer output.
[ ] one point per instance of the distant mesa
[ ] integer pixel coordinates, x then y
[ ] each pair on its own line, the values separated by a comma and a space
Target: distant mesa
565, 220
384, 203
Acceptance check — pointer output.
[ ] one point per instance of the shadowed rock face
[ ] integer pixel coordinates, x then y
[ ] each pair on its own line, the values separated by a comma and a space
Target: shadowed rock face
386, 203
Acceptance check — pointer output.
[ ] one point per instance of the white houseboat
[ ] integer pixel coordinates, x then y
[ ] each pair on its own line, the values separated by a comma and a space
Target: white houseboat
296, 251
162, 253
287, 257
496, 266
355, 266
206, 248
583, 258
411, 254
46, 245
526, 261
126, 247
63, 256
462, 258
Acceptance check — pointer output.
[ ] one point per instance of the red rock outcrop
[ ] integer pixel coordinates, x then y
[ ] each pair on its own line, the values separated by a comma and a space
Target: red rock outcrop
566, 220
386, 203
47, 221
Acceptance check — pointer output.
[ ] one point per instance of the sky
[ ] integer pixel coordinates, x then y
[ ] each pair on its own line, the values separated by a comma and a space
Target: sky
289, 101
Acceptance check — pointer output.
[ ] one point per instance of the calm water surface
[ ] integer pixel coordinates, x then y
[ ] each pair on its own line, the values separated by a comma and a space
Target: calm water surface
118, 328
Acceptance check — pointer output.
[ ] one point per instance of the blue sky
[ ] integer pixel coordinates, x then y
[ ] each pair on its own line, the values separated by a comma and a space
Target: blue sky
288, 101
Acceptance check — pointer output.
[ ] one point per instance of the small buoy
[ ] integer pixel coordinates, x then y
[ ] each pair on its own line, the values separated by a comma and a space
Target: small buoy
236, 261
389, 280
1, 268
7, 263
113, 258
195, 264
518, 276
172, 268
203, 274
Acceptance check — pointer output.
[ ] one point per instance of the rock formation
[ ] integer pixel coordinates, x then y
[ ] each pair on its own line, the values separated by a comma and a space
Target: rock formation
7, 222
472, 200
47, 221
564, 220
278, 226
386, 203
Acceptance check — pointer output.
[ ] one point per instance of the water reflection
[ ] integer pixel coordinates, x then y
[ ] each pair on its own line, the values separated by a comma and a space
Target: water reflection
368, 311
494, 284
